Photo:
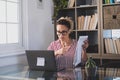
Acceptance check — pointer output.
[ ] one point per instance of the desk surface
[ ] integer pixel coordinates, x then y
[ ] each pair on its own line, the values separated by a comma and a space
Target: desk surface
21, 72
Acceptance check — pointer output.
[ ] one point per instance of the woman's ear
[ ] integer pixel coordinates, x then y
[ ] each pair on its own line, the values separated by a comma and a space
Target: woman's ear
70, 30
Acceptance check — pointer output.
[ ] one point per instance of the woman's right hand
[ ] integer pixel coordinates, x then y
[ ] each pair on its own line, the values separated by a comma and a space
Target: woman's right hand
62, 50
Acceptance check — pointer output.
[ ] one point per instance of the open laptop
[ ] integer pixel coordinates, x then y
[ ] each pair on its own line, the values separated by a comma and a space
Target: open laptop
43, 60
42, 75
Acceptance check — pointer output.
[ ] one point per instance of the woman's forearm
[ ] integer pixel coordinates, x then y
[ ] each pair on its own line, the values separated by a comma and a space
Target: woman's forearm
84, 56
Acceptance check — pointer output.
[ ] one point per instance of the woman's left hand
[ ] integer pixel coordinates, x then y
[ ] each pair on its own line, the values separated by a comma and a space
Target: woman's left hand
85, 45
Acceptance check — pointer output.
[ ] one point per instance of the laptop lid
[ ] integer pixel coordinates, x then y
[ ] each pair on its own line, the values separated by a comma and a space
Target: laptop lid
43, 60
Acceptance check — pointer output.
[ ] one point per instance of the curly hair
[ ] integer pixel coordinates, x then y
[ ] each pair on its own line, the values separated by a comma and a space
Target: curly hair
67, 21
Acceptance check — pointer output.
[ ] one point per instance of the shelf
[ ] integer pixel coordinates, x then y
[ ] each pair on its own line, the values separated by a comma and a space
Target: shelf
69, 8
86, 6
94, 55
111, 56
111, 4
87, 30
108, 19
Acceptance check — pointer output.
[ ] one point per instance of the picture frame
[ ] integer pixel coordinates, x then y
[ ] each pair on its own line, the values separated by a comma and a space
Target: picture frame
40, 4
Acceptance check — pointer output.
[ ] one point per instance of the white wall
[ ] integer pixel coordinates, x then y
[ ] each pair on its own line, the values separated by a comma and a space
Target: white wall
40, 27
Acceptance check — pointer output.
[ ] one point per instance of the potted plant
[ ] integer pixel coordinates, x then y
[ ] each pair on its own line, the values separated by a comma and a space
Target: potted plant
90, 67
59, 4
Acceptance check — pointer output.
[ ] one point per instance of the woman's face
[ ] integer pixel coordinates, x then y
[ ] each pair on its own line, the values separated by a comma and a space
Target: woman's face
62, 32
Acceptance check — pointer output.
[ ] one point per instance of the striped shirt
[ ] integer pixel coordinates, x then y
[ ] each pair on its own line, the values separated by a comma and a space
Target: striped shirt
66, 60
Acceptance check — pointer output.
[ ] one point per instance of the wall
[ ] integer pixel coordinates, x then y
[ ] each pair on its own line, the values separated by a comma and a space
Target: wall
38, 29
10, 60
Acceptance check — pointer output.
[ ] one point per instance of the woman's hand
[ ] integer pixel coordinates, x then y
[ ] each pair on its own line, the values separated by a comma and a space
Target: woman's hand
84, 55
62, 50
85, 45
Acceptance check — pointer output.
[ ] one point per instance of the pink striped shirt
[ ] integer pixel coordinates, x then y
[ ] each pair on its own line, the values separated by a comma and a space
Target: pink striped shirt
66, 60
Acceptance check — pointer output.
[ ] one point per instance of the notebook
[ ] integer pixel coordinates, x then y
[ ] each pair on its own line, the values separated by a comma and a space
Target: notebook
43, 60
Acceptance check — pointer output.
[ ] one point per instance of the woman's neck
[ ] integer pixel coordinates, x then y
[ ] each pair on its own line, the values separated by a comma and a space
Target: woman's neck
66, 42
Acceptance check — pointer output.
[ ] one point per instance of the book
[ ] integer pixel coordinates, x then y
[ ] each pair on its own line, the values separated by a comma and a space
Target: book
117, 1
106, 45
85, 23
103, 1
95, 21
111, 46
114, 45
79, 22
88, 22
91, 22
111, 1
71, 3
107, 1
82, 22
118, 45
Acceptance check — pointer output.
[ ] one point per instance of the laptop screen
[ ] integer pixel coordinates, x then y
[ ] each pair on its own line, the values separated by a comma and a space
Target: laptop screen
43, 60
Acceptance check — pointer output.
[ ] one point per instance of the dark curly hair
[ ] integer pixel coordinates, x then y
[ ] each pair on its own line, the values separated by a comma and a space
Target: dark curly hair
65, 21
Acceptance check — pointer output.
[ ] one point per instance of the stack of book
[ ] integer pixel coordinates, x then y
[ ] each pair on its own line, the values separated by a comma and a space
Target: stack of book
112, 72
112, 45
88, 22
71, 3
109, 1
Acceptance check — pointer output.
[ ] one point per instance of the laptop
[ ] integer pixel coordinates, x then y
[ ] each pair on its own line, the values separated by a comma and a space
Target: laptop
43, 60
42, 75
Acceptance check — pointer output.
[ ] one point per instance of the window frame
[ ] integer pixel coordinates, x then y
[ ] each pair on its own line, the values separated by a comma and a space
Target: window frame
15, 48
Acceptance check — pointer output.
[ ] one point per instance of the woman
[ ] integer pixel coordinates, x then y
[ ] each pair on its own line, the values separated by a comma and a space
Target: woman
65, 47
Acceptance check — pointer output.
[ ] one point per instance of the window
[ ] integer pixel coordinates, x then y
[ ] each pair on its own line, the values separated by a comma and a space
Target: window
10, 25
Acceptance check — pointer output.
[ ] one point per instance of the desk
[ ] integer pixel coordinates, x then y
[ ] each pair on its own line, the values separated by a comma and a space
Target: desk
21, 72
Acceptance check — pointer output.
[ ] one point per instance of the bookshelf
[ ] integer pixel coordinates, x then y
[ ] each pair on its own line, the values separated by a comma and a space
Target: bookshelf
110, 31
91, 18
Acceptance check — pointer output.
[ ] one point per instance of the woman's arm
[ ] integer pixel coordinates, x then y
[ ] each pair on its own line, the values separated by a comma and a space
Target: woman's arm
62, 51
84, 56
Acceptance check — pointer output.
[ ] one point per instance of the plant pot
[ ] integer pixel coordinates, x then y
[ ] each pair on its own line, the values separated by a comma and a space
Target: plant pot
91, 71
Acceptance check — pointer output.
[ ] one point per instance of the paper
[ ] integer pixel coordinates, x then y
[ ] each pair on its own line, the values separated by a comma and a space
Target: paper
78, 74
40, 61
77, 56
116, 78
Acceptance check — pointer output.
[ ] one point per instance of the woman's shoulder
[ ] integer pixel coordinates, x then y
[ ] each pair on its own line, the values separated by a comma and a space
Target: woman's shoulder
55, 42
53, 45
